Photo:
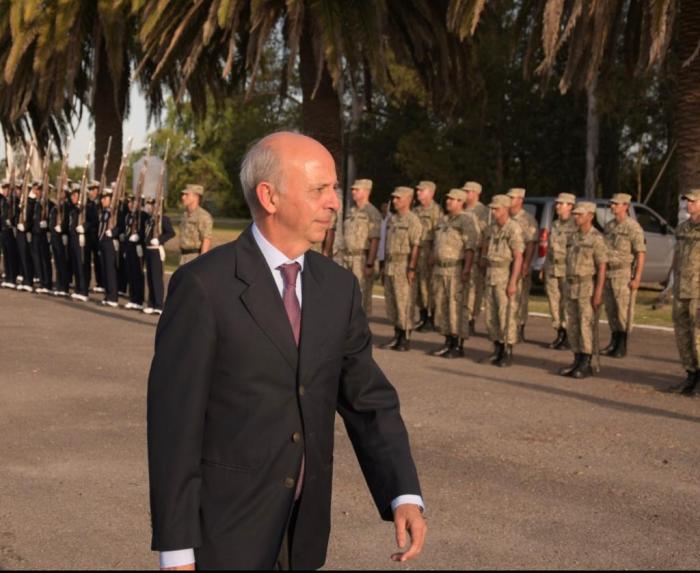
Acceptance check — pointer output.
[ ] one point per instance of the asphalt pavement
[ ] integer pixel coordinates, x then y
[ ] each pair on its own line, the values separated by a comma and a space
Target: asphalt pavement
521, 468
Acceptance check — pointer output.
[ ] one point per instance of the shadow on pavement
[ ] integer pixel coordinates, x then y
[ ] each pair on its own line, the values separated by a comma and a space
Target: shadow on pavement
91, 308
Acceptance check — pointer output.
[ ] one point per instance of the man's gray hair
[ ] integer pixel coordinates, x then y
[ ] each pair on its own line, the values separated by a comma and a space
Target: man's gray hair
260, 163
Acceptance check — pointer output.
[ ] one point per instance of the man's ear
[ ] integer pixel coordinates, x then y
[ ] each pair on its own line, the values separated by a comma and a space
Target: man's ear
267, 197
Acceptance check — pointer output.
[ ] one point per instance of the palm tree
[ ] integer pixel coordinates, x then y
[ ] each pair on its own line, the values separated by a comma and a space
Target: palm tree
643, 33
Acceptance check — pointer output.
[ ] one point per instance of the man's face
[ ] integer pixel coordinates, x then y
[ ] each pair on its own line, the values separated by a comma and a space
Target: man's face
500, 214
92, 193
148, 208
693, 207
454, 206
74, 197
582, 219
105, 201
516, 203
619, 209
189, 200
4, 191
425, 195
563, 210
360, 195
402, 204
472, 197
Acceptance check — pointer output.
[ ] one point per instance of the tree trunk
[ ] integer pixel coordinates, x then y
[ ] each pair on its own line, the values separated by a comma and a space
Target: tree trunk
320, 114
109, 106
687, 120
592, 141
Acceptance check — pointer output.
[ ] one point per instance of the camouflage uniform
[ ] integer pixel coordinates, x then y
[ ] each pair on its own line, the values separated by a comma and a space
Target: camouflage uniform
429, 217
361, 226
474, 289
555, 270
624, 241
454, 235
403, 233
195, 227
318, 247
686, 291
585, 252
501, 311
528, 226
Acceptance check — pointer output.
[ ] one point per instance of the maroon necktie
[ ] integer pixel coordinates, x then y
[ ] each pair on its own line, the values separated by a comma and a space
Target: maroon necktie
290, 272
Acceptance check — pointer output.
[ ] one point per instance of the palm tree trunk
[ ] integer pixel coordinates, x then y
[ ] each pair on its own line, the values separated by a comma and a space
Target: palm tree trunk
320, 111
592, 141
687, 121
109, 106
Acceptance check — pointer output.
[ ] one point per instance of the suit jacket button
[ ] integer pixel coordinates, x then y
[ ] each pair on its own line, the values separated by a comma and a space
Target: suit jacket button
302, 390
289, 483
296, 437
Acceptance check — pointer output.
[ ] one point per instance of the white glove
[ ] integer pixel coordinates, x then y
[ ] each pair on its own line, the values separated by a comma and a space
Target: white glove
29, 237
134, 238
43, 224
8, 222
80, 229
20, 227
81, 240
122, 236
108, 233
139, 251
155, 242
116, 245
58, 229
64, 239
161, 250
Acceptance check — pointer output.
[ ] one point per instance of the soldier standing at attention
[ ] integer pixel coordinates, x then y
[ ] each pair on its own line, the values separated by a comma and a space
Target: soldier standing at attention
456, 239
554, 271
108, 253
195, 226
92, 242
155, 256
58, 226
627, 248
76, 243
586, 258
686, 292
429, 213
361, 233
7, 238
528, 226
503, 253
474, 290
403, 237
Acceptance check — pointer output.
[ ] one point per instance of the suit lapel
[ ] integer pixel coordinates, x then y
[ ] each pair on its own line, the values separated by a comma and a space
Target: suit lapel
263, 300
313, 320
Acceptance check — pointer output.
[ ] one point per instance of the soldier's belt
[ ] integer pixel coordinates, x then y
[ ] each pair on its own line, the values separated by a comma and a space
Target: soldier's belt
447, 264
356, 252
396, 258
618, 266
578, 280
498, 265
189, 251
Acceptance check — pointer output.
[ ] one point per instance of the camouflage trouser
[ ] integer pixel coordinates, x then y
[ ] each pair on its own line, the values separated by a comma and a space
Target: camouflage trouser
579, 313
473, 295
184, 259
616, 296
686, 330
424, 298
498, 308
526, 285
356, 265
556, 288
400, 300
447, 296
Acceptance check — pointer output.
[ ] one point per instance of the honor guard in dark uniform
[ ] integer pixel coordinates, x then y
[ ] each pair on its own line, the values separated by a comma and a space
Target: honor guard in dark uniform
134, 257
58, 225
92, 246
108, 253
155, 256
24, 239
76, 246
123, 210
41, 254
7, 238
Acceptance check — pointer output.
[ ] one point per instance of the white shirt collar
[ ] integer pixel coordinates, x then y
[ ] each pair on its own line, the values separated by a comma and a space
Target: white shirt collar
273, 256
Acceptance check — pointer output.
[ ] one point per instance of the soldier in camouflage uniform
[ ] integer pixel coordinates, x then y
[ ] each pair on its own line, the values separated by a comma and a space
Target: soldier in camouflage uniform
361, 234
474, 289
686, 292
586, 258
196, 225
528, 226
429, 213
403, 237
624, 238
456, 240
503, 255
554, 271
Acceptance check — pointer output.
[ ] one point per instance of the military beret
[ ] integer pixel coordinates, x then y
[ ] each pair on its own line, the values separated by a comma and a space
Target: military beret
460, 194
516, 192
430, 185
402, 192
93, 184
566, 198
196, 189
621, 198
500, 201
692, 195
362, 184
472, 186
585, 207
107, 192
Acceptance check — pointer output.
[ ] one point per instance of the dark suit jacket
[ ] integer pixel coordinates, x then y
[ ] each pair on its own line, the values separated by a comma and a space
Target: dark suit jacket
232, 405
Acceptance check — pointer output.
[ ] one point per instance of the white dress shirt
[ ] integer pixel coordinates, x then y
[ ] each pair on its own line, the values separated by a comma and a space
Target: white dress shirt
274, 258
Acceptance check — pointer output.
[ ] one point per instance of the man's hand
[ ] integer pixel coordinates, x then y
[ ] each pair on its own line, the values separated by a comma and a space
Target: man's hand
634, 284
408, 518
369, 271
190, 567
596, 301
524, 272
411, 276
512, 289
466, 275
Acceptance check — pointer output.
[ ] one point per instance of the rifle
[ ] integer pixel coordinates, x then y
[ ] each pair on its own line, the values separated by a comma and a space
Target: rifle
103, 175
119, 186
24, 196
60, 185
44, 201
136, 219
82, 198
160, 198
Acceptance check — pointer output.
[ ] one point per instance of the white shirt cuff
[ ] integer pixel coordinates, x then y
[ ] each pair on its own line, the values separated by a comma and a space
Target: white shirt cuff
177, 558
403, 499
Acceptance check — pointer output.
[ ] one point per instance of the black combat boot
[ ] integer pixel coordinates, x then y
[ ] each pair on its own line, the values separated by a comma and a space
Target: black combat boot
404, 342
584, 369
455, 351
497, 353
521, 333
506, 356
460, 347
621, 348
691, 389
564, 342
472, 327
610, 349
444, 349
567, 370
393, 341
559, 340
423, 322
689, 382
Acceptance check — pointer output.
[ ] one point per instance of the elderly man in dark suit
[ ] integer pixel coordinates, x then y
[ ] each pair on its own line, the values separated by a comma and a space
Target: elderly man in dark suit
260, 343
